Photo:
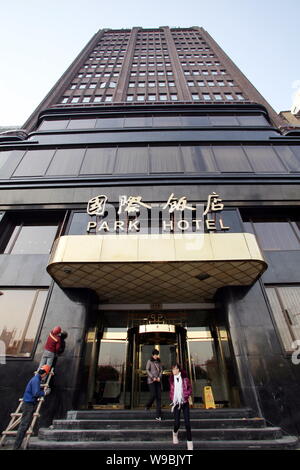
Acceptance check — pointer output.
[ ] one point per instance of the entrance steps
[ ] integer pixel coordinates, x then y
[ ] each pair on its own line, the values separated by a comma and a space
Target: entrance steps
223, 428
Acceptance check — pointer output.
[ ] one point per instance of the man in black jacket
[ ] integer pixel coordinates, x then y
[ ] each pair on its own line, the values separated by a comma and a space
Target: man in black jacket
154, 372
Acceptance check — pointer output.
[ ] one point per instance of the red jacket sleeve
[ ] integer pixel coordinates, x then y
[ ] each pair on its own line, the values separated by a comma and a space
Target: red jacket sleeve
57, 346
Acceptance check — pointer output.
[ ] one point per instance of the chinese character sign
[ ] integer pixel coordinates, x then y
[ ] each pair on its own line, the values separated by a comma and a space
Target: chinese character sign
96, 205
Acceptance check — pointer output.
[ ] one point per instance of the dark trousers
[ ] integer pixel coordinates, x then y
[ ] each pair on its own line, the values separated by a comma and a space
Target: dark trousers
155, 394
27, 413
186, 413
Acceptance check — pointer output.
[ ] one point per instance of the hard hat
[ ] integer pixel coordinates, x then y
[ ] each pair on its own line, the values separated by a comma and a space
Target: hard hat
46, 368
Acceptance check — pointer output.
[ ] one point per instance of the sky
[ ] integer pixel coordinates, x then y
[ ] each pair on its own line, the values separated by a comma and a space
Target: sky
39, 40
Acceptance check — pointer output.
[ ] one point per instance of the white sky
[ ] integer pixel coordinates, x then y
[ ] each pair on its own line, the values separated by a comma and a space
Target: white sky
40, 39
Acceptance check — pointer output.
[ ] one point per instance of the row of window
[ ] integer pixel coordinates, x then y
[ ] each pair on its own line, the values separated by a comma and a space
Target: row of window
150, 160
190, 49
82, 86
153, 97
205, 72
151, 73
101, 66
207, 63
21, 313
218, 97
151, 64
210, 83
150, 84
28, 236
97, 75
238, 96
149, 121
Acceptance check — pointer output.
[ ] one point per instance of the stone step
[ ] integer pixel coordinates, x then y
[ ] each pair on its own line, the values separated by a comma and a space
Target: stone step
151, 434
286, 442
165, 423
221, 413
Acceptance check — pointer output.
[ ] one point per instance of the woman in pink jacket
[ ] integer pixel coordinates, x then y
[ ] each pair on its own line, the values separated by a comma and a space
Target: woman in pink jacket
180, 391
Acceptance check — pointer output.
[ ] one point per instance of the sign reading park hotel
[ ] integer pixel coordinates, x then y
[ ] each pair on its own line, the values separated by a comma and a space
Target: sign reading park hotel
135, 215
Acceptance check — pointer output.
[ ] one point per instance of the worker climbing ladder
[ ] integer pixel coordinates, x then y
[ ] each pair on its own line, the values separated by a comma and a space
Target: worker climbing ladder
17, 416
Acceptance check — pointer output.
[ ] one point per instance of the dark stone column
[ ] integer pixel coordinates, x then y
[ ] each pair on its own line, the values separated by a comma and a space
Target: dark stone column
266, 376
71, 309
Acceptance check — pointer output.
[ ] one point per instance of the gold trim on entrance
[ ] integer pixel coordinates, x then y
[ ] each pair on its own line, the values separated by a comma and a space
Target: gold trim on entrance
156, 268
157, 328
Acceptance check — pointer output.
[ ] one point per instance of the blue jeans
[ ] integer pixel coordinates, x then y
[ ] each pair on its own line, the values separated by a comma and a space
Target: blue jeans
47, 358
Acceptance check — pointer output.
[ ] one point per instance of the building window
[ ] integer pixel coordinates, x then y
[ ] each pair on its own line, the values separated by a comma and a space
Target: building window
190, 83
276, 234
86, 99
131, 85
217, 97
97, 99
195, 97
240, 96
174, 97
206, 97
64, 100
284, 302
129, 98
108, 98
75, 100
20, 315
228, 96
151, 97
163, 97
30, 238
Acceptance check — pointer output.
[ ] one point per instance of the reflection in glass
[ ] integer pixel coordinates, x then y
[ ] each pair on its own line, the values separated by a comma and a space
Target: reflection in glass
20, 315
31, 239
110, 373
276, 235
206, 366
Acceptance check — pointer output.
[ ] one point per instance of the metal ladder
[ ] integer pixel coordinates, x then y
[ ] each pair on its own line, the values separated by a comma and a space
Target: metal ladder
17, 416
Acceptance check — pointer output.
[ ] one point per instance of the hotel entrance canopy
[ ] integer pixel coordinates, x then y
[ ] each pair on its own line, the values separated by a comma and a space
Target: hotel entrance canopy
156, 268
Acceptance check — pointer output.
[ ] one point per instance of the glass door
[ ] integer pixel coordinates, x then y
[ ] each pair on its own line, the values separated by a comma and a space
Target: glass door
170, 347
109, 384
211, 365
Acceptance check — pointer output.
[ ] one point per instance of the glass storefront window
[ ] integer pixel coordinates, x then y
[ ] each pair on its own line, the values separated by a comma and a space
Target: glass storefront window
20, 315
111, 368
206, 365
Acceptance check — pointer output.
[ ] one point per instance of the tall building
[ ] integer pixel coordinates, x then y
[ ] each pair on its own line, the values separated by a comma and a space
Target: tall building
152, 200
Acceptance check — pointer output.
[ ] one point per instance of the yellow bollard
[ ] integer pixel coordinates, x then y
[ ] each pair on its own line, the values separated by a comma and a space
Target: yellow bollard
208, 398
